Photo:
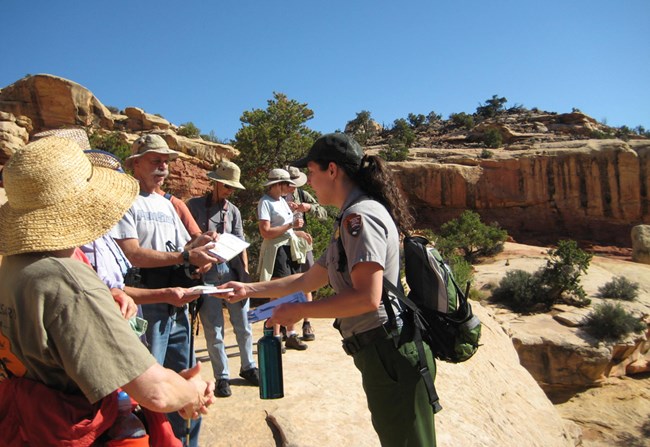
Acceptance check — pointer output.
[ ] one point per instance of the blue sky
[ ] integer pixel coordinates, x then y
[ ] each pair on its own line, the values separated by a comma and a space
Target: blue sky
209, 61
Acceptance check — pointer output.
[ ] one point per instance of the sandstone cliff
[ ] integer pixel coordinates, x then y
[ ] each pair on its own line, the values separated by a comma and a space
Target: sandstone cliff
43, 102
594, 190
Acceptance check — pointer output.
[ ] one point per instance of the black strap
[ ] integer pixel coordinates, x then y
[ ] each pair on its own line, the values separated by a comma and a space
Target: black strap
427, 377
423, 367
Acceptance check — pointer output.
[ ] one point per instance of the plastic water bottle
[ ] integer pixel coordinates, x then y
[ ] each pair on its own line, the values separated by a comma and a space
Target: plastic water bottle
269, 353
127, 425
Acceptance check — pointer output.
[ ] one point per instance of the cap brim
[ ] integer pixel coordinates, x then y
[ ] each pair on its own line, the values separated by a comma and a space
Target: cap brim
302, 162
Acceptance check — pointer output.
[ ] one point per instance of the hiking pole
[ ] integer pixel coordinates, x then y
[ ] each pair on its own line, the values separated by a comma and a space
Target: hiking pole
192, 310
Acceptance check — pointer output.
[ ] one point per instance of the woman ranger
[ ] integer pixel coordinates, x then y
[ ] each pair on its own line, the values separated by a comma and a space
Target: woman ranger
364, 250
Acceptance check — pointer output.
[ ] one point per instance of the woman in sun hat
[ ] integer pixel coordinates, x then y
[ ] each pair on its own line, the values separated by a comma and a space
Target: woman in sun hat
283, 249
302, 203
59, 327
362, 254
215, 212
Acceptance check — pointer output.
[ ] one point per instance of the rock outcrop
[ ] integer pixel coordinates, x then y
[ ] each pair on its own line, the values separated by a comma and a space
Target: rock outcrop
641, 244
52, 102
586, 190
14, 134
43, 102
553, 346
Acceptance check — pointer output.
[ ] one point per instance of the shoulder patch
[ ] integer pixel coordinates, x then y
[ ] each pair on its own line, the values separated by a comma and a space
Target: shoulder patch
353, 224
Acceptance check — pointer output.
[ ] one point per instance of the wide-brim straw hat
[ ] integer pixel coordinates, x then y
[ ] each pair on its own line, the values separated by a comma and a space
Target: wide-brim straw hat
149, 143
56, 199
278, 175
227, 173
76, 134
297, 176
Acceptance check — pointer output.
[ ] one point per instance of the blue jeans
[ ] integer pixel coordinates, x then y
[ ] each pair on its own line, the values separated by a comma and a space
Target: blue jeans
169, 343
211, 314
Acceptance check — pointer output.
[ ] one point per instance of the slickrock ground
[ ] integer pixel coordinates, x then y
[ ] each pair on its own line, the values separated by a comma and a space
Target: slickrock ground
488, 401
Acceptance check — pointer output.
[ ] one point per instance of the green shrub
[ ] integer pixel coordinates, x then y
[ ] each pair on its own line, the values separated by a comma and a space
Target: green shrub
558, 281
416, 120
113, 109
491, 107
620, 288
189, 130
611, 321
492, 138
518, 291
485, 153
561, 276
462, 119
110, 142
471, 237
402, 134
394, 152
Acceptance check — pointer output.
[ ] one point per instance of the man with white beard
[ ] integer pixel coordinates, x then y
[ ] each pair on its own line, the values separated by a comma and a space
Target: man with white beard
154, 239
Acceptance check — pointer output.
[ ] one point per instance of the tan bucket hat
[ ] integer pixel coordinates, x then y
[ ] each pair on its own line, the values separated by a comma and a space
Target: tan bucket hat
278, 175
227, 173
297, 176
149, 143
56, 199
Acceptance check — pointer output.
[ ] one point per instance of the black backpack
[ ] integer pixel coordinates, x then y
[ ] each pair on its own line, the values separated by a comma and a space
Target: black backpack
441, 308
436, 310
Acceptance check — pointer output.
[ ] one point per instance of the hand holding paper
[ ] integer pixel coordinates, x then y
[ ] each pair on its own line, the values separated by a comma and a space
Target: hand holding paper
264, 311
228, 246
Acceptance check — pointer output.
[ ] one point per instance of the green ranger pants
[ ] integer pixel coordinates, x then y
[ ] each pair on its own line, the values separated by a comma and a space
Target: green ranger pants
397, 396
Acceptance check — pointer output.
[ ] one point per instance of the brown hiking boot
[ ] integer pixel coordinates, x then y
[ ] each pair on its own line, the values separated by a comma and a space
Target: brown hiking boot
308, 332
293, 342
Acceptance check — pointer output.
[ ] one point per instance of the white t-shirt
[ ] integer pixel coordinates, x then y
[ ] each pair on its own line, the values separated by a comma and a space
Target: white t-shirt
275, 211
153, 221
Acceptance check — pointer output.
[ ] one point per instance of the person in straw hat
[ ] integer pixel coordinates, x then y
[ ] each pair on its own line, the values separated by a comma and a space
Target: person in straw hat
214, 212
283, 249
154, 239
59, 326
302, 203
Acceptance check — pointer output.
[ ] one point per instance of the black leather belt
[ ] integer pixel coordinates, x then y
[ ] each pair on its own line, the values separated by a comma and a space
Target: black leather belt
357, 342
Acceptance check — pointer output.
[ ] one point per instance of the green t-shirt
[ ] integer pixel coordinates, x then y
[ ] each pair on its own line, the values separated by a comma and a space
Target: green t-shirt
59, 325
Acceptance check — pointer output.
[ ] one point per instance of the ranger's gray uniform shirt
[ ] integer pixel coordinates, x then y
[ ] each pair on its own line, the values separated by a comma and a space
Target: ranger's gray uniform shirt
368, 234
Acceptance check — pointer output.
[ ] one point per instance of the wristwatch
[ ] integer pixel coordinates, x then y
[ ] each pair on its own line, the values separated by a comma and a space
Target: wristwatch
186, 258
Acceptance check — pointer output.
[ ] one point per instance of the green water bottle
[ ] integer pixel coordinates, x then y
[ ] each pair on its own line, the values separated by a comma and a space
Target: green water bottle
269, 353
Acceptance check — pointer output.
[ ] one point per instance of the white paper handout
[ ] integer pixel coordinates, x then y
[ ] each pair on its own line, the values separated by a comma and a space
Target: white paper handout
209, 290
228, 246
265, 310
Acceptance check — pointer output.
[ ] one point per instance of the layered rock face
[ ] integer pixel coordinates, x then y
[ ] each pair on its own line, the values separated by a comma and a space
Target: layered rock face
587, 190
52, 102
43, 102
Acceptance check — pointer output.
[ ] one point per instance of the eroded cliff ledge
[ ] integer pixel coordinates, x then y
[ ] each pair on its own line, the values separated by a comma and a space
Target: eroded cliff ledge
593, 190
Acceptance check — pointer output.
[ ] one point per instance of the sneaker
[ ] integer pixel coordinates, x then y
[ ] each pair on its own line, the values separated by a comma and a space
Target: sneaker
223, 388
251, 375
293, 342
308, 332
